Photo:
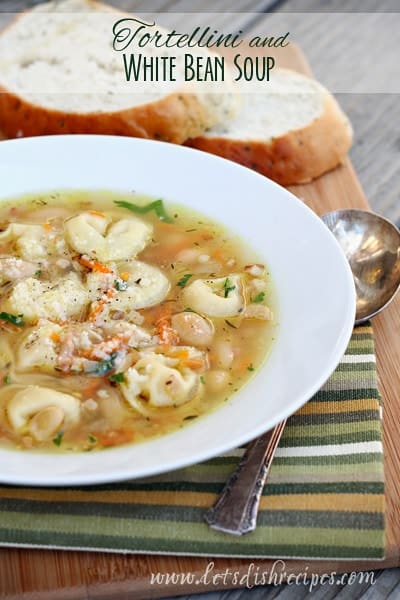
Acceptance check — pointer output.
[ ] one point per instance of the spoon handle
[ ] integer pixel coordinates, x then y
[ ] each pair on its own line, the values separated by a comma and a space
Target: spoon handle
236, 508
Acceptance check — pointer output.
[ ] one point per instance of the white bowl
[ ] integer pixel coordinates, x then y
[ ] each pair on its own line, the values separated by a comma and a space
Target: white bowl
315, 289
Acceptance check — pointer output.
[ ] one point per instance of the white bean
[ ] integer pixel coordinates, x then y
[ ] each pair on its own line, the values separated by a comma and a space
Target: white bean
258, 311
188, 255
222, 354
217, 380
193, 329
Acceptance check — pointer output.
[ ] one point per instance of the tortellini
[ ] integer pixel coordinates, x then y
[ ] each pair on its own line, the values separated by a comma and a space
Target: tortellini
92, 234
222, 297
146, 286
12, 269
33, 398
156, 378
56, 301
38, 347
30, 240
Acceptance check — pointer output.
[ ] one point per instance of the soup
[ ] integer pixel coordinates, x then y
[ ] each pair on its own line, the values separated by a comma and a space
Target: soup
122, 319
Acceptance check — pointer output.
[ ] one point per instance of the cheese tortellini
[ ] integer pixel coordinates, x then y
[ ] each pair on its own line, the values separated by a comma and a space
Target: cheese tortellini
222, 297
92, 234
30, 240
146, 286
157, 378
57, 301
32, 399
12, 269
37, 349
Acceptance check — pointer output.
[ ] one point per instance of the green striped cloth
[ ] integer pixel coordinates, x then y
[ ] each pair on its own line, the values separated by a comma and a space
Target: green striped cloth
324, 498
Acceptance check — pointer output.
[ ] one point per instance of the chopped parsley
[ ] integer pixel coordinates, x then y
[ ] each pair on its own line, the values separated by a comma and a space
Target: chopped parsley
250, 367
92, 439
38, 273
117, 378
202, 379
120, 285
228, 287
188, 309
13, 319
183, 281
190, 417
104, 367
7, 379
58, 439
259, 298
157, 206
230, 324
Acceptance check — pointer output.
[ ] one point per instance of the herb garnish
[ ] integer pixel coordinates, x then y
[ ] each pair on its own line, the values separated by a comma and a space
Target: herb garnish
228, 287
190, 417
157, 206
14, 319
105, 366
259, 298
183, 281
58, 439
188, 309
120, 285
117, 378
92, 439
202, 379
7, 379
250, 367
230, 324
38, 273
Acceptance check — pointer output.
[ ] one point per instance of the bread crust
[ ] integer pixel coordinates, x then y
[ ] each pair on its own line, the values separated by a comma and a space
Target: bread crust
173, 118
296, 157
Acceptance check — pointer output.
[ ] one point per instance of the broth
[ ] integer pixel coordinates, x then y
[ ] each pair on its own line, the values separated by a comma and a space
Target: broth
122, 319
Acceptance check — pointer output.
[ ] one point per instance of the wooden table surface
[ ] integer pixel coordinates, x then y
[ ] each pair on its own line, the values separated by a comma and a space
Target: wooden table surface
375, 154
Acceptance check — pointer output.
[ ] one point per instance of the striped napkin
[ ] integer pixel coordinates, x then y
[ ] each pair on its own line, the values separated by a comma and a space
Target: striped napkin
324, 498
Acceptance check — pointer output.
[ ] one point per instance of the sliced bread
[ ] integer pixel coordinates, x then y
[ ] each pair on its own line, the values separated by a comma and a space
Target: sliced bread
292, 132
59, 74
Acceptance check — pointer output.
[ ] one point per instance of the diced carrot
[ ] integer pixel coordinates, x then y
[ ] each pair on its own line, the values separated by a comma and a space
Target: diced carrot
115, 437
166, 226
124, 276
55, 337
92, 387
218, 254
96, 213
166, 334
47, 226
193, 363
107, 347
94, 265
95, 310
182, 355
97, 307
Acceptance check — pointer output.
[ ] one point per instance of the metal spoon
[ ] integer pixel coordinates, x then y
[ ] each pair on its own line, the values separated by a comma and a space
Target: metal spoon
372, 247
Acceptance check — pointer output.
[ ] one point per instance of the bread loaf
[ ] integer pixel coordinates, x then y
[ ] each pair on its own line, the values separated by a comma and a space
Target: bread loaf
292, 132
59, 74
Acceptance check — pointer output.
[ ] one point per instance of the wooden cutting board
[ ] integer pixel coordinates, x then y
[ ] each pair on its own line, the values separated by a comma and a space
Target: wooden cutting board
46, 574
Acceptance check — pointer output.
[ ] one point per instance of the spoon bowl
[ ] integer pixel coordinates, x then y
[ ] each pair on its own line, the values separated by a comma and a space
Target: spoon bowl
371, 244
